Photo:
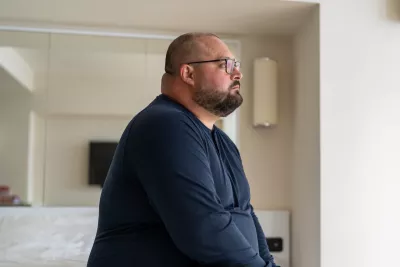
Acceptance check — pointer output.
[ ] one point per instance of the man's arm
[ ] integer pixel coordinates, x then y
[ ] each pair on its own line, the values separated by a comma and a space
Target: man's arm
262, 241
172, 165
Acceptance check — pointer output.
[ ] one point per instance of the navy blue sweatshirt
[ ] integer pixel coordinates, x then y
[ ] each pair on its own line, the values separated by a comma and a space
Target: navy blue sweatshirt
176, 195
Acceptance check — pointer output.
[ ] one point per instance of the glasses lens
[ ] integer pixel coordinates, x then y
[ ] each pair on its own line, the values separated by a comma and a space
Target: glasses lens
229, 65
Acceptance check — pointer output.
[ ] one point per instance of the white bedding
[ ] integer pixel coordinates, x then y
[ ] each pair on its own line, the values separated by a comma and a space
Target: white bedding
46, 236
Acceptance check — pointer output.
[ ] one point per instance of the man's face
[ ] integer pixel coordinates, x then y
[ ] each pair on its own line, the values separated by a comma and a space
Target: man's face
214, 89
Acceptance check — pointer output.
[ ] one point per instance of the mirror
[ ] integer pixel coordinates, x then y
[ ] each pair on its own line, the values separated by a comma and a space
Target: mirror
61, 92
23, 84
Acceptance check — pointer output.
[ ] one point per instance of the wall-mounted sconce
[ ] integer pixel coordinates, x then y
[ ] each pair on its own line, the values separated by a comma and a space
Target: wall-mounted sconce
265, 92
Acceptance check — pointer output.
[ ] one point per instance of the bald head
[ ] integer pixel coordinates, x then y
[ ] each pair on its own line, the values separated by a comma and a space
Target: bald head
185, 48
209, 90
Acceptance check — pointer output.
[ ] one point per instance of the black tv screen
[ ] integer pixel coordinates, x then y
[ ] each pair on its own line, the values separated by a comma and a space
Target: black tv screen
100, 157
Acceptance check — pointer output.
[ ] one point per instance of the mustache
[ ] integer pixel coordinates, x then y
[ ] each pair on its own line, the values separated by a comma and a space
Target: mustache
235, 83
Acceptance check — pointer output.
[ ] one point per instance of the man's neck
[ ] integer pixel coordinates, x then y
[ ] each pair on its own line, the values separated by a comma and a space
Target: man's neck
203, 115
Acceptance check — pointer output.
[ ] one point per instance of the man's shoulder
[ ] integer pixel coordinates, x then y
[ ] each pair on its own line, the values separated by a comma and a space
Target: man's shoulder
163, 116
163, 128
160, 114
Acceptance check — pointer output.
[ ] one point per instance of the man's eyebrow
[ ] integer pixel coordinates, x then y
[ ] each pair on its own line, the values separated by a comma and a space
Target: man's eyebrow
226, 57
221, 57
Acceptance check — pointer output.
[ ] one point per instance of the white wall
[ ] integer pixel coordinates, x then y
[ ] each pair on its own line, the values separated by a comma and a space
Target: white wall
102, 75
36, 158
305, 183
96, 85
267, 153
360, 144
15, 104
67, 157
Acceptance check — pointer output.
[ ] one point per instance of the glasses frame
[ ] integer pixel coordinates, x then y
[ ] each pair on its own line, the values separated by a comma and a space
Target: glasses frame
235, 63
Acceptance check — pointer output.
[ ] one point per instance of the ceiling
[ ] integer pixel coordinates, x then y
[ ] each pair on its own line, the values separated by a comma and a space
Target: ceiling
222, 16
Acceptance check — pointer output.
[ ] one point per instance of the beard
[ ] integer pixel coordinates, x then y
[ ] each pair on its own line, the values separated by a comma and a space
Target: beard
218, 102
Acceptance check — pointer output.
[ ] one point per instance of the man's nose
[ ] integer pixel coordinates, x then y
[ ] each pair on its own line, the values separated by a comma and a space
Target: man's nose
236, 74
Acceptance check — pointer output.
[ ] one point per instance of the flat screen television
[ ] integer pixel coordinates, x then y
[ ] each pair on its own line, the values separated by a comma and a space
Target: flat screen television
101, 154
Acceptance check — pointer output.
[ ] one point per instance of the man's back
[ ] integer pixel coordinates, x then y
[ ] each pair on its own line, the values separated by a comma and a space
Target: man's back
130, 233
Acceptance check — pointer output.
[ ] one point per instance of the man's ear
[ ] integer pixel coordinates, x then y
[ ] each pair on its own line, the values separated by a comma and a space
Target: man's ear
187, 74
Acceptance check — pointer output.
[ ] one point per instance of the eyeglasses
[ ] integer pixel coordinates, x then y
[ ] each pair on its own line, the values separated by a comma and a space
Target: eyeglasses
230, 63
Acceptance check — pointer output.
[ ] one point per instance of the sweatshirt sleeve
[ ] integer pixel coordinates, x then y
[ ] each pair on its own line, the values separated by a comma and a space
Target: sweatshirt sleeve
171, 163
262, 241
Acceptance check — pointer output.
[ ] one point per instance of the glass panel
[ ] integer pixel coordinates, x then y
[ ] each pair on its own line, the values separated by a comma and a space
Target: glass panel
60, 92
23, 86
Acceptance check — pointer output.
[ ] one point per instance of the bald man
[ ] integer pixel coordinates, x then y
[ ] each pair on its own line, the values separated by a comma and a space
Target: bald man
176, 194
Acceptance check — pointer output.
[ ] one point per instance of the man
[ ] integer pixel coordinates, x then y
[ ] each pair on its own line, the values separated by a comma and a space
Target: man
176, 193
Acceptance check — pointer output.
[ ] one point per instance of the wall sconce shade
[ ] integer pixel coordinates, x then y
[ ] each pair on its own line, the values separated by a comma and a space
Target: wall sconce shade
265, 92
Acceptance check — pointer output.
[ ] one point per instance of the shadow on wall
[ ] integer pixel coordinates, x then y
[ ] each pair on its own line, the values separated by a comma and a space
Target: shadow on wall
393, 10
